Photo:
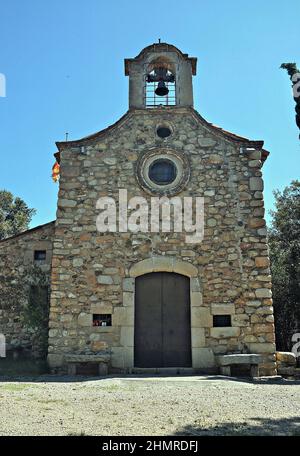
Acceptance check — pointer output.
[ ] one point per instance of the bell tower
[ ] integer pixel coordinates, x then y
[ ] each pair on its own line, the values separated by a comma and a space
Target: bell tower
161, 75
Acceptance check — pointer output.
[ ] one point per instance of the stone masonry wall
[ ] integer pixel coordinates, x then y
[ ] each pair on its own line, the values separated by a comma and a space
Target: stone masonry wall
91, 270
17, 272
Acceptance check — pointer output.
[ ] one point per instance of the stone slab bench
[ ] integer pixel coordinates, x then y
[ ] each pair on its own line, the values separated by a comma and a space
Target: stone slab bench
226, 361
286, 363
101, 359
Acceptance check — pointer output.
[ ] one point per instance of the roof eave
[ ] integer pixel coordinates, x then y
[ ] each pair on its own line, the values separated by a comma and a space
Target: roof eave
78, 142
30, 230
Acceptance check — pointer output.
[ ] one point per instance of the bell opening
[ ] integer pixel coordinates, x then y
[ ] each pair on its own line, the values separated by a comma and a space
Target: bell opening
160, 87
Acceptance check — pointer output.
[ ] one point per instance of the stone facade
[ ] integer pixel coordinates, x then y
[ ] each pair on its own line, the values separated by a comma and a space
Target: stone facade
95, 273
18, 271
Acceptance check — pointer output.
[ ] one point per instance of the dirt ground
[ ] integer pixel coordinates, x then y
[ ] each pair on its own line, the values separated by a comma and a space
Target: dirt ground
189, 405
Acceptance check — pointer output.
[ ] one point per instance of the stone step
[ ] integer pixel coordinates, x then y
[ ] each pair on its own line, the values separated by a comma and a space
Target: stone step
164, 370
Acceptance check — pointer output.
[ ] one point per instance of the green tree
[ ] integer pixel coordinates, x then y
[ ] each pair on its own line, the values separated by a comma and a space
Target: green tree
294, 75
284, 242
15, 215
36, 310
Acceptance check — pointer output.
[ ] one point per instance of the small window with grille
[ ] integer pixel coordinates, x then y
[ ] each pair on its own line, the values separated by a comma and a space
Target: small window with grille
160, 89
220, 321
39, 255
101, 319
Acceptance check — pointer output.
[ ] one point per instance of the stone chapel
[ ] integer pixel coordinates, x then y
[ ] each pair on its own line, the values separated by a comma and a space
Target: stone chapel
133, 301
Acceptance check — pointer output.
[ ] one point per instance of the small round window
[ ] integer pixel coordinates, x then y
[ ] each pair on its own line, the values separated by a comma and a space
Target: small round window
162, 172
163, 132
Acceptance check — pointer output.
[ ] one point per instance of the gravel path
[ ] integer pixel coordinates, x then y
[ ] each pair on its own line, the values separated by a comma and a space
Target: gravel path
149, 406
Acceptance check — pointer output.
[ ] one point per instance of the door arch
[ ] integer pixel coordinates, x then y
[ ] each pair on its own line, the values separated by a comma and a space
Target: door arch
162, 331
123, 316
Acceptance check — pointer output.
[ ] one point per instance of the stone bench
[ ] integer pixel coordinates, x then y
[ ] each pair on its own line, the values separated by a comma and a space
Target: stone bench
286, 363
101, 360
226, 361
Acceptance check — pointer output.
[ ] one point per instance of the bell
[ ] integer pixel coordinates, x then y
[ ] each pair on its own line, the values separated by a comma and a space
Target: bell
161, 89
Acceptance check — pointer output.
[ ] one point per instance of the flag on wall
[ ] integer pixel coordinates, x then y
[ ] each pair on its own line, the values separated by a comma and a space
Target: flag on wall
55, 171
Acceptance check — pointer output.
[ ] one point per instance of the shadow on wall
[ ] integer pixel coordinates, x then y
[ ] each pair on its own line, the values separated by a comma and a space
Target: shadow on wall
254, 426
22, 366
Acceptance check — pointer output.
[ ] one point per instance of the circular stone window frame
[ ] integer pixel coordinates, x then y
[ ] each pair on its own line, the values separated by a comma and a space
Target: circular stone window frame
179, 159
163, 161
164, 125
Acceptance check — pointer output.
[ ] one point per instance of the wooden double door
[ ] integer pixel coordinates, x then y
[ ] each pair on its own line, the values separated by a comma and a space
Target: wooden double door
162, 336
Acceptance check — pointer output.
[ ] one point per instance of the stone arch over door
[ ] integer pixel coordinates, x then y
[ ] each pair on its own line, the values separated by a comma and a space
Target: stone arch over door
164, 264
201, 318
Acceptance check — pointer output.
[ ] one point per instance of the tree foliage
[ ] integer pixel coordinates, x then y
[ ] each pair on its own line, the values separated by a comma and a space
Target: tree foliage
294, 75
284, 242
36, 310
15, 215
26, 295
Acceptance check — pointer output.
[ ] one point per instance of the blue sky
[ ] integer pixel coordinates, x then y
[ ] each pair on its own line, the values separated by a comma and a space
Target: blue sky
63, 63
